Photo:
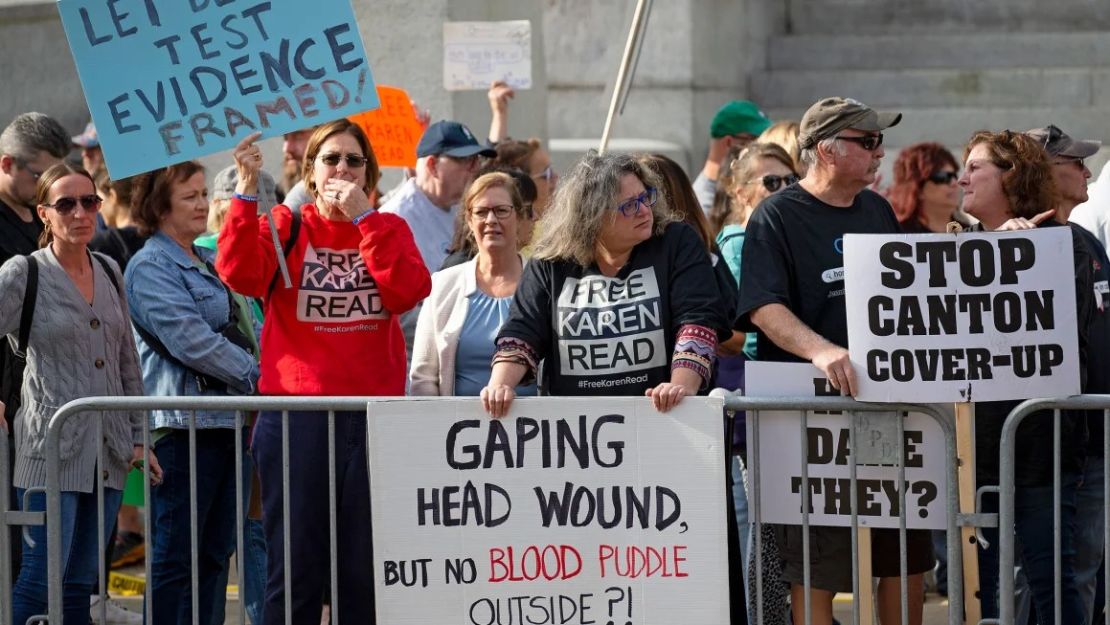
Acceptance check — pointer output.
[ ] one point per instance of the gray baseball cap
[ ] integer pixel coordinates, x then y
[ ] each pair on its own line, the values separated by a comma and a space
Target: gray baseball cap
829, 116
1057, 143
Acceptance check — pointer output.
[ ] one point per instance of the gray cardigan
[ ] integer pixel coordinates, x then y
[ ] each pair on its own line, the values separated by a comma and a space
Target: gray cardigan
75, 350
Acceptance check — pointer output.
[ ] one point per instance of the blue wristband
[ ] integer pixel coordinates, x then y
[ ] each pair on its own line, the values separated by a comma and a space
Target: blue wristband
369, 211
245, 198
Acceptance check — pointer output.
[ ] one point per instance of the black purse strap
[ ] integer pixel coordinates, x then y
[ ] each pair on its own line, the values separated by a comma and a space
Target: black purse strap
30, 298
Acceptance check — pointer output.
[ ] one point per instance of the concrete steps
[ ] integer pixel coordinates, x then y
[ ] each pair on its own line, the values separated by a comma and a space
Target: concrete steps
984, 50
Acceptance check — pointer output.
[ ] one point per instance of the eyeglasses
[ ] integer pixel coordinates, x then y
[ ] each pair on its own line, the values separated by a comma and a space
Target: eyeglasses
66, 205
501, 212
546, 174
354, 161
943, 177
867, 142
631, 206
773, 183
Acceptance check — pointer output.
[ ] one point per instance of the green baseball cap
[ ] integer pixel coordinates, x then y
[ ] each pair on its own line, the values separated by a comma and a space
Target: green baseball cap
831, 115
739, 117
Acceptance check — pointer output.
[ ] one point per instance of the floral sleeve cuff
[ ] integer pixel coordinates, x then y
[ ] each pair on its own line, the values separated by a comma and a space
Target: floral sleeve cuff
515, 350
695, 348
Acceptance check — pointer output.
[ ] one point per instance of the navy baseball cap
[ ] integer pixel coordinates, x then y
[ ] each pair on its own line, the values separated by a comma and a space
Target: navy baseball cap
446, 138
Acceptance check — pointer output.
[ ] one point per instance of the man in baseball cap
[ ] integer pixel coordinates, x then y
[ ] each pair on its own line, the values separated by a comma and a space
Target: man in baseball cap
792, 294
735, 125
446, 159
92, 158
1069, 170
829, 116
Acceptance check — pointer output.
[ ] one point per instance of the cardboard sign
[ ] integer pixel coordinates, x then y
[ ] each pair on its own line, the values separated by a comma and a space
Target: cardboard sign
828, 445
570, 512
392, 128
957, 318
170, 81
478, 53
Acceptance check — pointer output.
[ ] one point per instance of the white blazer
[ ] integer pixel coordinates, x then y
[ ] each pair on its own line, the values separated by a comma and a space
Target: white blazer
432, 371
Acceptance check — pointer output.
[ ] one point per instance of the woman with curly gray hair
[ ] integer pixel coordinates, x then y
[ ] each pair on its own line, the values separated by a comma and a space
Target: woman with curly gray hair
619, 298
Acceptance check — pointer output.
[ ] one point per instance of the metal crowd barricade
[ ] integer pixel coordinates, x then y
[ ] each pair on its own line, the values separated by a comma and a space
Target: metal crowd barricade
804, 406
240, 405
1007, 494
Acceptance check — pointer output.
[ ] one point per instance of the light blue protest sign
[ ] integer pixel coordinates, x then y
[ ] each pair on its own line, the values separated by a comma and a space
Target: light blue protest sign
170, 81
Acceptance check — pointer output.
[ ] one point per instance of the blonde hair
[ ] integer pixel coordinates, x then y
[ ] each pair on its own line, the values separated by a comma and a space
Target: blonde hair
785, 135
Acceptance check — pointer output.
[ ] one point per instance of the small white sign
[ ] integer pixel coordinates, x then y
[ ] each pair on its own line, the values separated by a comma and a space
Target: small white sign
478, 53
827, 441
944, 318
571, 511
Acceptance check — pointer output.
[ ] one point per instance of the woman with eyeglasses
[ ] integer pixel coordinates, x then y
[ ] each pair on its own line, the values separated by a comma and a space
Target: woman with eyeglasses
333, 332
1008, 185
196, 338
463, 246
619, 298
469, 302
530, 157
79, 344
924, 194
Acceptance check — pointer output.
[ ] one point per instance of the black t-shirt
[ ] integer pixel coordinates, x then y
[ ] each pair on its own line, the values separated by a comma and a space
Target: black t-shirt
1098, 336
1033, 446
794, 255
17, 237
615, 336
119, 244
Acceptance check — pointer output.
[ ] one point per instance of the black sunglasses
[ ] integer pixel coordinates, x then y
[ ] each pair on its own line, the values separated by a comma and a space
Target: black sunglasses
773, 183
353, 160
66, 205
943, 177
867, 142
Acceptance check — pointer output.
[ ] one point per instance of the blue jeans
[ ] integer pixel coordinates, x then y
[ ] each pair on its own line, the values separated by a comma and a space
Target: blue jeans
171, 588
1034, 528
740, 507
308, 529
80, 556
1089, 539
253, 580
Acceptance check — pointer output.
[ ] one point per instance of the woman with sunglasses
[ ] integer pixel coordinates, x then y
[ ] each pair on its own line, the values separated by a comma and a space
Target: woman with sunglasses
196, 338
469, 302
333, 332
611, 250
79, 345
924, 194
1008, 185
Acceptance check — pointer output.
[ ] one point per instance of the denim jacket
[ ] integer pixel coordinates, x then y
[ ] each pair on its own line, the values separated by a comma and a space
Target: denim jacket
185, 308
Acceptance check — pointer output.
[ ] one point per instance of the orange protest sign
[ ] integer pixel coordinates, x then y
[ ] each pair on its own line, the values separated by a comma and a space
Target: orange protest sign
392, 128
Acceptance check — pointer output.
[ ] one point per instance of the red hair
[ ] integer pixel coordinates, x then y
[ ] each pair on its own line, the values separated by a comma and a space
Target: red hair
911, 170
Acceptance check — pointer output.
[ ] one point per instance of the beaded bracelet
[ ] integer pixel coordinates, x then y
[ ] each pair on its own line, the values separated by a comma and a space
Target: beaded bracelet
245, 197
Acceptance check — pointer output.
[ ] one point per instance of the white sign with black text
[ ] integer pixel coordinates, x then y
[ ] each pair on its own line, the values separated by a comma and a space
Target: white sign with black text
959, 318
571, 511
827, 442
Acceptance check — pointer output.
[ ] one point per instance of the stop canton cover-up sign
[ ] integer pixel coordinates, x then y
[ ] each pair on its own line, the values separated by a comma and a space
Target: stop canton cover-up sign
958, 318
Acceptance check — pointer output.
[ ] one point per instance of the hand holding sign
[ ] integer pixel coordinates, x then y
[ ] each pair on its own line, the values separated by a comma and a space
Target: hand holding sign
1021, 223
248, 162
833, 361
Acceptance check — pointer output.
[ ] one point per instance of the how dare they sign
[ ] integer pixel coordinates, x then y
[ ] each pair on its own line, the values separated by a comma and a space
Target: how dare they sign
775, 453
170, 81
960, 318
569, 512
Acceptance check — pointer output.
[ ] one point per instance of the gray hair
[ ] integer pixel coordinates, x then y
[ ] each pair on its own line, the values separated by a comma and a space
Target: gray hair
32, 133
831, 144
584, 198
